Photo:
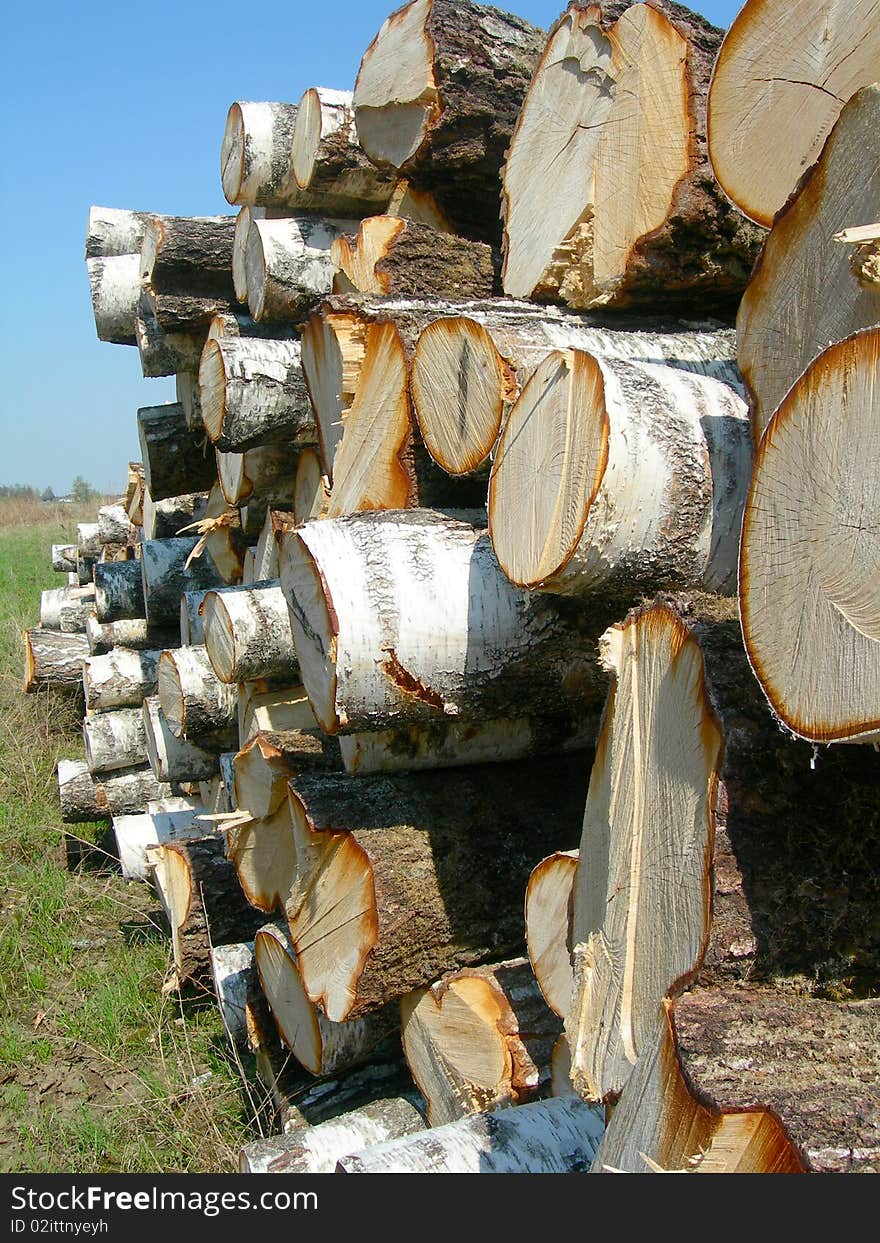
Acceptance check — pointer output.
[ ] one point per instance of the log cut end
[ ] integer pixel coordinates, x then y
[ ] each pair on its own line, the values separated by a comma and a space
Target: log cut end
307, 134
312, 623
232, 154
395, 96
311, 491
294, 1015
212, 388
810, 555
548, 927
332, 356
171, 694
264, 856
357, 259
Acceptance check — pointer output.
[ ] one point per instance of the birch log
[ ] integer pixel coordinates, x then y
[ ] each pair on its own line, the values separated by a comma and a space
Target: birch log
114, 525
558, 1136
115, 740
164, 353
175, 463
65, 609
322, 1047
248, 635
634, 218
479, 1039
266, 565
53, 659
115, 285
188, 254
186, 391
288, 266
777, 91
393, 257
255, 153
437, 97
119, 591
193, 699
392, 888
166, 576
137, 835
252, 392
177, 759
88, 540
621, 475
484, 650
85, 798
473, 361
121, 679
64, 558
164, 519
548, 927
133, 634
243, 223
329, 170
810, 556
802, 296
316, 1149
114, 231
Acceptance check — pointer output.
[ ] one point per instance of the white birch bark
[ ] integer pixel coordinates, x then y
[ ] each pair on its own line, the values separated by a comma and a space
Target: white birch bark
114, 525
193, 699
53, 659
288, 265
119, 591
115, 285
120, 679
115, 740
248, 635
85, 798
166, 575
64, 558
316, 1149
252, 392
255, 153
135, 834
133, 633
114, 231
176, 759
66, 609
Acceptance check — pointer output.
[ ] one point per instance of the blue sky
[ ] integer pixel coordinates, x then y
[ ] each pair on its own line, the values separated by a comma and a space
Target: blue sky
124, 106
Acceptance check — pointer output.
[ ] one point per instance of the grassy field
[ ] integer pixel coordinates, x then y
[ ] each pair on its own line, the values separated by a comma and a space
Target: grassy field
100, 1070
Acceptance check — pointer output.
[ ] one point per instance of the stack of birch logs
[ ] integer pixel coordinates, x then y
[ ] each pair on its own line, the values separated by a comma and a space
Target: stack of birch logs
463, 661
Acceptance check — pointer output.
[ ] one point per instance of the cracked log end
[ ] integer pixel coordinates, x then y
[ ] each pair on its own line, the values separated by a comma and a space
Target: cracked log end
548, 927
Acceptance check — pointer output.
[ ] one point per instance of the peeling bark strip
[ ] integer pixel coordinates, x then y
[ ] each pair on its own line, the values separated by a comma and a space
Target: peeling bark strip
53, 659
482, 649
255, 153
121, 679
84, 798
548, 927
437, 97
248, 635
479, 1039
545, 1137
316, 1149
287, 265
193, 699
660, 1125
119, 591
615, 122
395, 257
802, 296
321, 1046
175, 463
205, 903
393, 887
166, 575
622, 475
474, 359
642, 896
252, 393
778, 88
810, 556
176, 759
115, 740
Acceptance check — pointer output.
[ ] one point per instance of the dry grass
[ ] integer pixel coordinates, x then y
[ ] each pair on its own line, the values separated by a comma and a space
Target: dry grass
57, 515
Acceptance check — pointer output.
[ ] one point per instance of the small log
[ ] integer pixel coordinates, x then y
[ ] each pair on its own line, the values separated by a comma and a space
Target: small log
393, 257
558, 1136
288, 266
66, 609
163, 519
114, 525
134, 493
548, 927
64, 558
329, 170
115, 740
252, 392
255, 153
115, 285
114, 231
810, 555
164, 353
166, 575
134, 634
205, 903
437, 97
53, 659
121, 679
186, 391
635, 218
276, 521
175, 463
311, 490
237, 989
137, 835
184, 313
119, 591
88, 540
485, 651
316, 1149
801, 263
243, 222
777, 90
479, 1039
193, 699
264, 710
322, 1047
391, 889
264, 474
620, 475
177, 759
248, 635
84, 798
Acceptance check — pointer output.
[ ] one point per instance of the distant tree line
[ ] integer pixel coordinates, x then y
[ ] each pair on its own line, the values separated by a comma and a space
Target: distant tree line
80, 490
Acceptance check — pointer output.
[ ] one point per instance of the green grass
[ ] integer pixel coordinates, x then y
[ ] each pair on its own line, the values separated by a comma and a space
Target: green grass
100, 1069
